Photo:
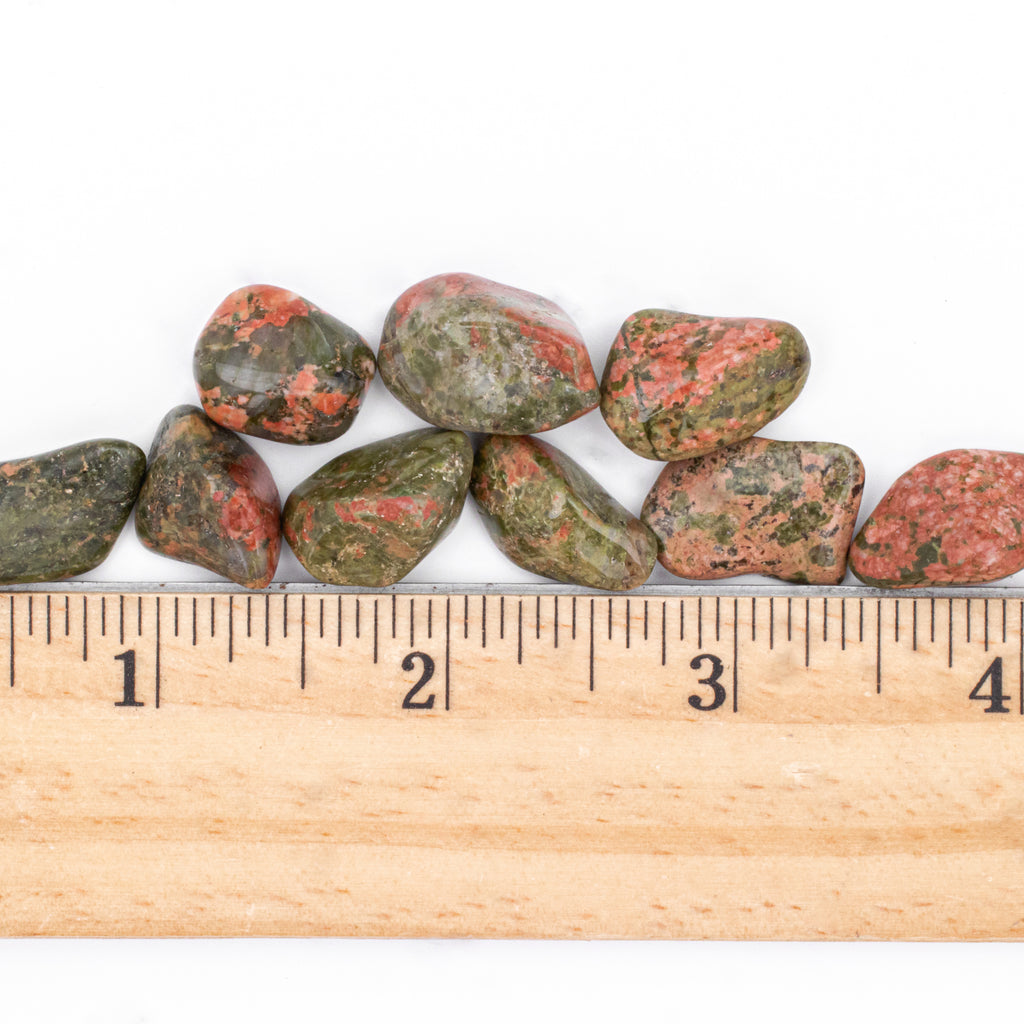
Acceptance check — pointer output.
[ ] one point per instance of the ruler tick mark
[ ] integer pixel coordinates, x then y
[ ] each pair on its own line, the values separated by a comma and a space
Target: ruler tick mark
430, 618
592, 644
896, 621
412, 622
807, 633
394, 616
340, 617
321, 618
556, 620
1020, 659
30, 614
266, 620
664, 630
682, 619
67, 616
913, 606
537, 617
753, 620
465, 617
483, 622
103, 616
231, 627
248, 616
950, 642
878, 647
47, 618
771, 623
574, 617
986, 623
1004, 620
213, 617
861, 619
447, 654
195, 630
645, 619
302, 644
609, 618
735, 655
375, 631
627, 623
718, 619
842, 624
501, 618
789, 619
11, 601
176, 616
700, 623
85, 628
932, 603
284, 619
156, 681
967, 612
357, 618
519, 635
121, 609
138, 620
824, 621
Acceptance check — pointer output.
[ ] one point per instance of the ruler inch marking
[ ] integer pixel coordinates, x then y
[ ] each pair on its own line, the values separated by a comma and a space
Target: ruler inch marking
735, 655
448, 654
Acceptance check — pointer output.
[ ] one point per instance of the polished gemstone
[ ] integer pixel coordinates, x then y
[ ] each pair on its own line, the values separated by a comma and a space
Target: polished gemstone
676, 386
61, 512
785, 509
466, 353
367, 517
953, 518
209, 499
550, 516
271, 364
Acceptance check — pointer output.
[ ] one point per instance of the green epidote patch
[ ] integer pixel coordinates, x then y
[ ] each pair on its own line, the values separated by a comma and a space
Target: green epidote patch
781, 508
209, 499
471, 354
369, 516
61, 512
549, 516
271, 364
677, 386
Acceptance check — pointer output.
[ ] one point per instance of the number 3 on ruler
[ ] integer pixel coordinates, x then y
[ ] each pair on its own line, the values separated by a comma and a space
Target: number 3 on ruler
712, 680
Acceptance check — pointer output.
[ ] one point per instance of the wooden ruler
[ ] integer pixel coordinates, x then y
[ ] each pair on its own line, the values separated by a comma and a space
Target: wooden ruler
722, 762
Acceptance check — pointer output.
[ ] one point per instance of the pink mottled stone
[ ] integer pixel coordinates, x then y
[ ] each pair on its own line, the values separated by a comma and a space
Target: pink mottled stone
955, 518
785, 509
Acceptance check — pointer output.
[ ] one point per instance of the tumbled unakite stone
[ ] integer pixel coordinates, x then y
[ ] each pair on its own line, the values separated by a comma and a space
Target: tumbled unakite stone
471, 354
954, 518
785, 509
676, 386
61, 512
209, 499
366, 518
271, 364
550, 516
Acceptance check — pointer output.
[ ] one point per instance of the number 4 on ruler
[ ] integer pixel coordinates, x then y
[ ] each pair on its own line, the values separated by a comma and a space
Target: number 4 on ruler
995, 696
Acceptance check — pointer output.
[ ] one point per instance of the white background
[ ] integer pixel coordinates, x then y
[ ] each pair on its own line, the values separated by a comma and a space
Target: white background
855, 170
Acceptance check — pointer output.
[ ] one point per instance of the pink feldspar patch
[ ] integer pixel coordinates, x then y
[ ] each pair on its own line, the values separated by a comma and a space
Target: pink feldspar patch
955, 518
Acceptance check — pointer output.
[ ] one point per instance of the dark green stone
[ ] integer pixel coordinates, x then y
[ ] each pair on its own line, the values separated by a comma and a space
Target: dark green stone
61, 512
550, 516
369, 516
209, 499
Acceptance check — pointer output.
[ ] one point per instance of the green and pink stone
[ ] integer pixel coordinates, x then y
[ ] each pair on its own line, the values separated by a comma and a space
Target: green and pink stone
955, 518
271, 364
551, 517
466, 353
369, 516
62, 511
208, 499
677, 386
784, 509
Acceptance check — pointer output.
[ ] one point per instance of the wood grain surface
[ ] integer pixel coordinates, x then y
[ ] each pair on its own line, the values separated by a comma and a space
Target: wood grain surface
845, 786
